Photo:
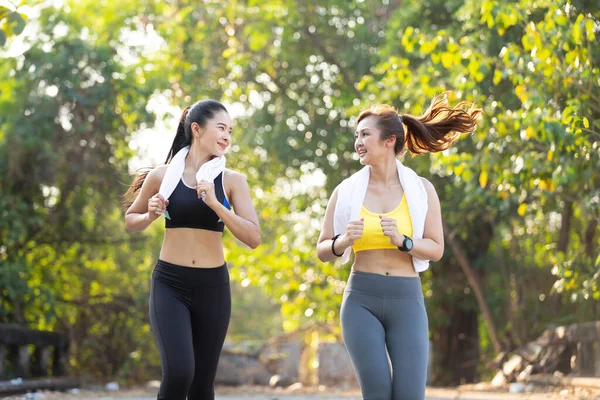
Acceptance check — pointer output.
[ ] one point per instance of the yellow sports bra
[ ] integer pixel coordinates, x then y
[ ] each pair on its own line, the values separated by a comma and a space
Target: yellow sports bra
373, 237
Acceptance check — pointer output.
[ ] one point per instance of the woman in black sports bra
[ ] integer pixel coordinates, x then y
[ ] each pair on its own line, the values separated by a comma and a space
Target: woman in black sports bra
190, 298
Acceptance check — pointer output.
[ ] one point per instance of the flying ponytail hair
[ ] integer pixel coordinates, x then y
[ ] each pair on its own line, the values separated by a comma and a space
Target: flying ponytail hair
199, 113
434, 131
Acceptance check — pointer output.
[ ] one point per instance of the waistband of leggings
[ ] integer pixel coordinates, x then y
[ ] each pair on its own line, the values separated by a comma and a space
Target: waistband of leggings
385, 286
191, 276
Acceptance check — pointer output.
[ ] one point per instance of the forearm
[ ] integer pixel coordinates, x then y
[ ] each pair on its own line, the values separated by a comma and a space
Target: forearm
135, 222
427, 249
324, 249
242, 229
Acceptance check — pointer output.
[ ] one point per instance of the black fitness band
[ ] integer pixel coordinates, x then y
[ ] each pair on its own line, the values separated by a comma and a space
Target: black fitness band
333, 244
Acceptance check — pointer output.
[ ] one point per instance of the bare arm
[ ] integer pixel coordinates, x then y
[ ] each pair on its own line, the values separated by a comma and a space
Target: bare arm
143, 210
244, 222
431, 247
353, 231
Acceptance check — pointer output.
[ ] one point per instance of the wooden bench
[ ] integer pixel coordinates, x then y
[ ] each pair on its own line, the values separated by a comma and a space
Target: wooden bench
44, 368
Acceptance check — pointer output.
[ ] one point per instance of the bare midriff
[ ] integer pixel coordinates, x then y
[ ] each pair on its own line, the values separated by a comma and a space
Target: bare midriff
189, 247
391, 262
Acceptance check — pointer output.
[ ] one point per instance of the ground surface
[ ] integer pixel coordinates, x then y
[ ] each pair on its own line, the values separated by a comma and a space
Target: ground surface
466, 392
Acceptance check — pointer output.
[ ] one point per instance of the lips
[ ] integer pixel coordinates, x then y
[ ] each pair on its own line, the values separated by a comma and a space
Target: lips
223, 145
361, 153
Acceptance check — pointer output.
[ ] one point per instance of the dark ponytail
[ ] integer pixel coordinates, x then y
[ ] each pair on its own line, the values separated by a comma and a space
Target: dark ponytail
199, 113
183, 137
434, 131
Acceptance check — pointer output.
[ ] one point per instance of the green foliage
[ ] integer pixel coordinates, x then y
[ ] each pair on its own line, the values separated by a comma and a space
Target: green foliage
530, 170
520, 194
12, 23
68, 109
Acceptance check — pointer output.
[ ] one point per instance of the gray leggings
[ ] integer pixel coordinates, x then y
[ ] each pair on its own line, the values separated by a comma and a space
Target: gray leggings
385, 315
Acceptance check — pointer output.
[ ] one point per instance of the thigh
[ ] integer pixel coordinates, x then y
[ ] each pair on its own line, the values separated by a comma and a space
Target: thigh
211, 312
408, 347
364, 337
170, 320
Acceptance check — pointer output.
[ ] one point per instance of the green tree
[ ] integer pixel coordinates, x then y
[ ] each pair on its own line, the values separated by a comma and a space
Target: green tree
12, 22
531, 65
68, 110
519, 197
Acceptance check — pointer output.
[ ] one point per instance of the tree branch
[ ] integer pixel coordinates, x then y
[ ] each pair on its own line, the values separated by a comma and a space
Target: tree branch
591, 131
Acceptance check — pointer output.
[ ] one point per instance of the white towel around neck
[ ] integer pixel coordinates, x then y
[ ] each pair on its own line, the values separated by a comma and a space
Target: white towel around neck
207, 171
351, 194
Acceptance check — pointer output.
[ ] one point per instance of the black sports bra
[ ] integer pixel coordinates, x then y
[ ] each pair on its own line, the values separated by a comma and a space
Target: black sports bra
186, 210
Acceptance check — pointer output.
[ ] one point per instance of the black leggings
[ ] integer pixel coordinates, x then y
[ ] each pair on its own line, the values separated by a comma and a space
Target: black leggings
189, 314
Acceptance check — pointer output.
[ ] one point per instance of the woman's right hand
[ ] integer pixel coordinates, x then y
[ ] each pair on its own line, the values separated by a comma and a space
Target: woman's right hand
354, 231
157, 205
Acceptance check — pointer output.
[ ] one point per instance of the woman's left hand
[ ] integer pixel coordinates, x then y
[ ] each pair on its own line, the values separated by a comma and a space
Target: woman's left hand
206, 192
390, 229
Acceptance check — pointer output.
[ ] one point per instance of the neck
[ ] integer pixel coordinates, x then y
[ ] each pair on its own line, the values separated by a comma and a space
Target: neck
196, 157
384, 172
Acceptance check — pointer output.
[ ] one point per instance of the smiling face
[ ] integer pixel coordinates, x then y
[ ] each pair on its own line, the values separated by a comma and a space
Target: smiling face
215, 136
368, 143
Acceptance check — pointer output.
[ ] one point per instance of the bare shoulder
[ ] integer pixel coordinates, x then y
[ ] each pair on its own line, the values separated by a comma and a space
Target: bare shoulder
156, 175
334, 194
159, 170
429, 188
236, 178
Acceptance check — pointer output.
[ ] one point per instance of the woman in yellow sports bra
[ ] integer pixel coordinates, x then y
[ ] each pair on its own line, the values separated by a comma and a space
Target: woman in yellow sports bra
390, 217
373, 237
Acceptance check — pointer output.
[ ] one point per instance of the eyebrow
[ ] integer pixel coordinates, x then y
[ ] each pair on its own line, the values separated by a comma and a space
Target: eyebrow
362, 130
225, 125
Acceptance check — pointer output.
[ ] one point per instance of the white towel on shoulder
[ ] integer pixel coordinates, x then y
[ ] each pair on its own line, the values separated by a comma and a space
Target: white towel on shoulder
351, 194
207, 171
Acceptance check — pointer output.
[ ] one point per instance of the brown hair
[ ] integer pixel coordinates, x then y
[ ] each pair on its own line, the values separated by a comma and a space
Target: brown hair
434, 131
199, 113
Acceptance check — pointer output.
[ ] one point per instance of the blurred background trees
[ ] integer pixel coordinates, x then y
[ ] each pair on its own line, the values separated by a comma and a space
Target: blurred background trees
80, 80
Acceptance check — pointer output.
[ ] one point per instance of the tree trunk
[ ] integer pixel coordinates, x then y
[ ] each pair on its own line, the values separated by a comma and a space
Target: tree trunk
474, 282
456, 349
565, 225
590, 233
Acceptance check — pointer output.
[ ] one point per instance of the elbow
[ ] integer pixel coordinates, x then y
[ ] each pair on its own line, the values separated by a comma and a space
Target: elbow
320, 257
438, 254
255, 242
322, 254
131, 227
128, 227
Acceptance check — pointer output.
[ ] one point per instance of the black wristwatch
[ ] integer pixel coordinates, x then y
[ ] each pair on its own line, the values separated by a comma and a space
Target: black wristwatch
407, 244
